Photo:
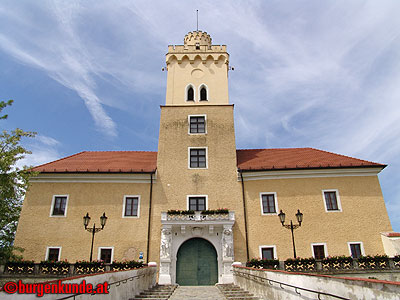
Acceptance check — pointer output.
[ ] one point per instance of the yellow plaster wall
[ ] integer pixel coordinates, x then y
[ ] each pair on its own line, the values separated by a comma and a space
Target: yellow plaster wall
362, 219
37, 230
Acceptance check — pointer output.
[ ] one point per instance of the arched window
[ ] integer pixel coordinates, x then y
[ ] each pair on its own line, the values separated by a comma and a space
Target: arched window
190, 94
203, 94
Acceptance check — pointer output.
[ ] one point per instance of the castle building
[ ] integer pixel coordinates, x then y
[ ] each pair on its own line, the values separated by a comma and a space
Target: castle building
198, 168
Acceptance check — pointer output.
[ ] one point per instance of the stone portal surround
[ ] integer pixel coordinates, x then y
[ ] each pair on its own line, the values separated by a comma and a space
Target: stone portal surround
177, 230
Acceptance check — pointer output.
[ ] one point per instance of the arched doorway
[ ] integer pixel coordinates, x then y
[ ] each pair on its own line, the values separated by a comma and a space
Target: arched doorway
196, 263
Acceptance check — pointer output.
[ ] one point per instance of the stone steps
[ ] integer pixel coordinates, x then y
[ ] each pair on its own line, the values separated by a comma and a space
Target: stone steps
233, 292
158, 292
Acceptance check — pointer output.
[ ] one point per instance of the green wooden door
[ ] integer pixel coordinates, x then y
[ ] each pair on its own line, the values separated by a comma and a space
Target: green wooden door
197, 263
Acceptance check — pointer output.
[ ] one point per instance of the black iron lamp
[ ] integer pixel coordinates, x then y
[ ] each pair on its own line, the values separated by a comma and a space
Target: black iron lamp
299, 217
94, 230
103, 220
86, 220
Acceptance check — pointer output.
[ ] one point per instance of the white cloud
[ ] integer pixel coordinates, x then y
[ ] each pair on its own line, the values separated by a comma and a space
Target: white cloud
48, 141
44, 149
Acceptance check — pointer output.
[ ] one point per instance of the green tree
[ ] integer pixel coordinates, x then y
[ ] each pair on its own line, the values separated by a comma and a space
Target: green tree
14, 182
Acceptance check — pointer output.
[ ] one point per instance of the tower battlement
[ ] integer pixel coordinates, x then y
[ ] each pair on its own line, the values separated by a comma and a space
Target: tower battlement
197, 38
197, 44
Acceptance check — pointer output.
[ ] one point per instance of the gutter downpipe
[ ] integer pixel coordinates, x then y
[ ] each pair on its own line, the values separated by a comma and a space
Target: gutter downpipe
149, 224
245, 216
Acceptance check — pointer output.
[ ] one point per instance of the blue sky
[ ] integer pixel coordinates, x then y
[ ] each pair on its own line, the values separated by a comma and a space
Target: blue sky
86, 75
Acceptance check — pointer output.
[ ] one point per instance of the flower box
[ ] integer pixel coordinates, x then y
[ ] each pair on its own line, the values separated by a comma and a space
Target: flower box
54, 267
337, 263
263, 263
300, 264
20, 267
86, 267
373, 262
126, 265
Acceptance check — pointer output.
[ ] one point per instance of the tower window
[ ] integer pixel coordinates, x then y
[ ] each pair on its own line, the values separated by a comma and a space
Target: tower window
197, 203
197, 124
203, 94
190, 94
197, 158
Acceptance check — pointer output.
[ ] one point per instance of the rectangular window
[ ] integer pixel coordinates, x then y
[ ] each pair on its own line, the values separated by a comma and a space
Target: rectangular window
268, 203
106, 254
355, 250
131, 207
319, 251
197, 124
197, 158
267, 253
331, 200
59, 206
197, 203
53, 253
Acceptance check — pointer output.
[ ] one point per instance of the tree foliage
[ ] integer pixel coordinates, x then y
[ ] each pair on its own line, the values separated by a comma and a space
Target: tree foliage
14, 182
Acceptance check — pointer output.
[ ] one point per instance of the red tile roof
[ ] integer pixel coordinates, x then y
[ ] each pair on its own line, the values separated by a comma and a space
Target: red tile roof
247, 160
391, 234
296, 158
103, 162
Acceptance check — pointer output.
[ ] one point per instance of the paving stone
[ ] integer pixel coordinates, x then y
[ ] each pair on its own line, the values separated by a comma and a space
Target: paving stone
197, 292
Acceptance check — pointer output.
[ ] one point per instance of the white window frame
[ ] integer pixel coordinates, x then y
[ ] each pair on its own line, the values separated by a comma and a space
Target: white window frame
52, 206
189, 196
208, 92
276, 204
206, 148
268, 246
99, 253
124, 203
194, 93
339, 204
319, 244
205, 124
361, 247
48, 252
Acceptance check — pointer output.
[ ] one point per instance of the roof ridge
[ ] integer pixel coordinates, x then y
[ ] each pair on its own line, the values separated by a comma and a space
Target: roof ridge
102, 151
60, 159
274, 148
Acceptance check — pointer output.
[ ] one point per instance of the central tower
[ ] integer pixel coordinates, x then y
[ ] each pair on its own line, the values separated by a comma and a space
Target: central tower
197, 72
196, 162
